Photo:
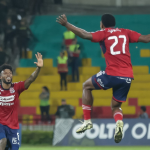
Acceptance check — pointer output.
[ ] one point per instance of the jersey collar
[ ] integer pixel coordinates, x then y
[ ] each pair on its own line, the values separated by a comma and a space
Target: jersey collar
5, 89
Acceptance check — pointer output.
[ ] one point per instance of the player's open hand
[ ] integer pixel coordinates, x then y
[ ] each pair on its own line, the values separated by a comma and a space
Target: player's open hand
39, 62
62, 20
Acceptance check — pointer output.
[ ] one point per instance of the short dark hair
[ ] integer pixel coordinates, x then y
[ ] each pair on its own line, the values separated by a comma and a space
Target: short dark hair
108, 20
143, 108
5, 66
63, 100
46, 88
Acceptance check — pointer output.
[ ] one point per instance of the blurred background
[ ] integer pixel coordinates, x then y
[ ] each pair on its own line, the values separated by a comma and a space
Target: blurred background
29, 26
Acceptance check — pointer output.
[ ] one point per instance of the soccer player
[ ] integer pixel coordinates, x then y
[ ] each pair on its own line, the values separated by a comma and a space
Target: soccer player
118, 75
9, 99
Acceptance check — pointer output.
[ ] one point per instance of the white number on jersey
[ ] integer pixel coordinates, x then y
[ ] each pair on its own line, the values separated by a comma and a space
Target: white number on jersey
18, 136
116, 42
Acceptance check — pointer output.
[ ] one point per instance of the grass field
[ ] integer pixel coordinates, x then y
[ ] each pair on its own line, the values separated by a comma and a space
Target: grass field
85, 148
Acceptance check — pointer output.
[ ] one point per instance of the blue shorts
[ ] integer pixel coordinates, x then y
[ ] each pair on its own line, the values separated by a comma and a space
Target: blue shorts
120, 85
12, 136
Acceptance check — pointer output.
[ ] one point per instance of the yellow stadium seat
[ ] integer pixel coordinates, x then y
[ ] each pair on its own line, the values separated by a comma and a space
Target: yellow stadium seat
53, 110
29, 54
102, 54
29, 102
48, 71
86, 62
139, 94
102, 102
66, 94
48, 79
38, 86
75, 86
83, 78
48, 62
145, 53
140, 69
19, 78
78, 112
125, 103
129, 110
27, 119
25, 71
140, 86
88, 70
143, 101
44, 71
142, 78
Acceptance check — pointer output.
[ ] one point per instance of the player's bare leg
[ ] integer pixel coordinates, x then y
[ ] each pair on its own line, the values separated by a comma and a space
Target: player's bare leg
3, 143
87, 102
118, 116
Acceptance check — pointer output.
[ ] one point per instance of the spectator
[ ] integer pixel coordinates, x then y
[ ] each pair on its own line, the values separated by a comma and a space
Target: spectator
44, 103
37, 4
62, 69
142, 113
20, 6
9, 31
1, 34
58, 2
65, 111
3, 11
23, 36
4, 58
69, 36
74, 52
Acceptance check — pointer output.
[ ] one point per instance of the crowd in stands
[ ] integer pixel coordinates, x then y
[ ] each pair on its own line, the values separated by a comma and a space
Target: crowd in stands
14, 28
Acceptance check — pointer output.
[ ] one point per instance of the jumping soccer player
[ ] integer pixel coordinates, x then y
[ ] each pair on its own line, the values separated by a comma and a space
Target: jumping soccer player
118, 75
9, 100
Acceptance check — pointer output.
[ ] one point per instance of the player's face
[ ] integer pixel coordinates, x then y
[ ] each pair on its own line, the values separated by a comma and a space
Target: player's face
61, 54
6, 76
43, 90
63, 102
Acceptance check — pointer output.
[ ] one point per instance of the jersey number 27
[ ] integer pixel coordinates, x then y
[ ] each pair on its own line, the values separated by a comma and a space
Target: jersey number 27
116, 42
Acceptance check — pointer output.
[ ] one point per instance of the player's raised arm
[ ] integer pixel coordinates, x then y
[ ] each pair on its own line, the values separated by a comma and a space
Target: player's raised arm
34, 75
144, 38
78, 31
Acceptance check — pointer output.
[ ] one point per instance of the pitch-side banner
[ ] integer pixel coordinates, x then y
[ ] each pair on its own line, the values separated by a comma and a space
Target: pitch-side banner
136, 132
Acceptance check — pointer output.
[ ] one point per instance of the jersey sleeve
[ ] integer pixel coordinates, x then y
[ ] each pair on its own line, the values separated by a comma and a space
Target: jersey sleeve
98, 36
133, 36
20, 87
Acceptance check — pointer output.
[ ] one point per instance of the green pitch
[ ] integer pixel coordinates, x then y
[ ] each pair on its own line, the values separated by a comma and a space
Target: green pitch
84, 148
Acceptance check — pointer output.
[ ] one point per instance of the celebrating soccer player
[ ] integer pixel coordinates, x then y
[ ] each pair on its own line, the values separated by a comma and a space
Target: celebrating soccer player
118, 75
9, 99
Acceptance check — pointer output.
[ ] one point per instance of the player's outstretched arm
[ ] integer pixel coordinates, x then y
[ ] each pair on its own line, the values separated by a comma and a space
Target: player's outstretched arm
78, 31
144, 38
34, 75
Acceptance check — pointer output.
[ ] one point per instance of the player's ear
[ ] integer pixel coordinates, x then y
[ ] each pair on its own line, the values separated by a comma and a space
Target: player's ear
101, 24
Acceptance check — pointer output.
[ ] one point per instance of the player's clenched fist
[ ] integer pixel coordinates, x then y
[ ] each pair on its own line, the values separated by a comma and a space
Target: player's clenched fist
62, 20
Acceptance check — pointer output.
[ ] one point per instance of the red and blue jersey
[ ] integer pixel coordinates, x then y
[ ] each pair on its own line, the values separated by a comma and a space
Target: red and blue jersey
114, 43
9, 100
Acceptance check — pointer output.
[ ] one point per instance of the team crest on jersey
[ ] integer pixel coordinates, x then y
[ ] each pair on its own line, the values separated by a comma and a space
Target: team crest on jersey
1, 89
12, 90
